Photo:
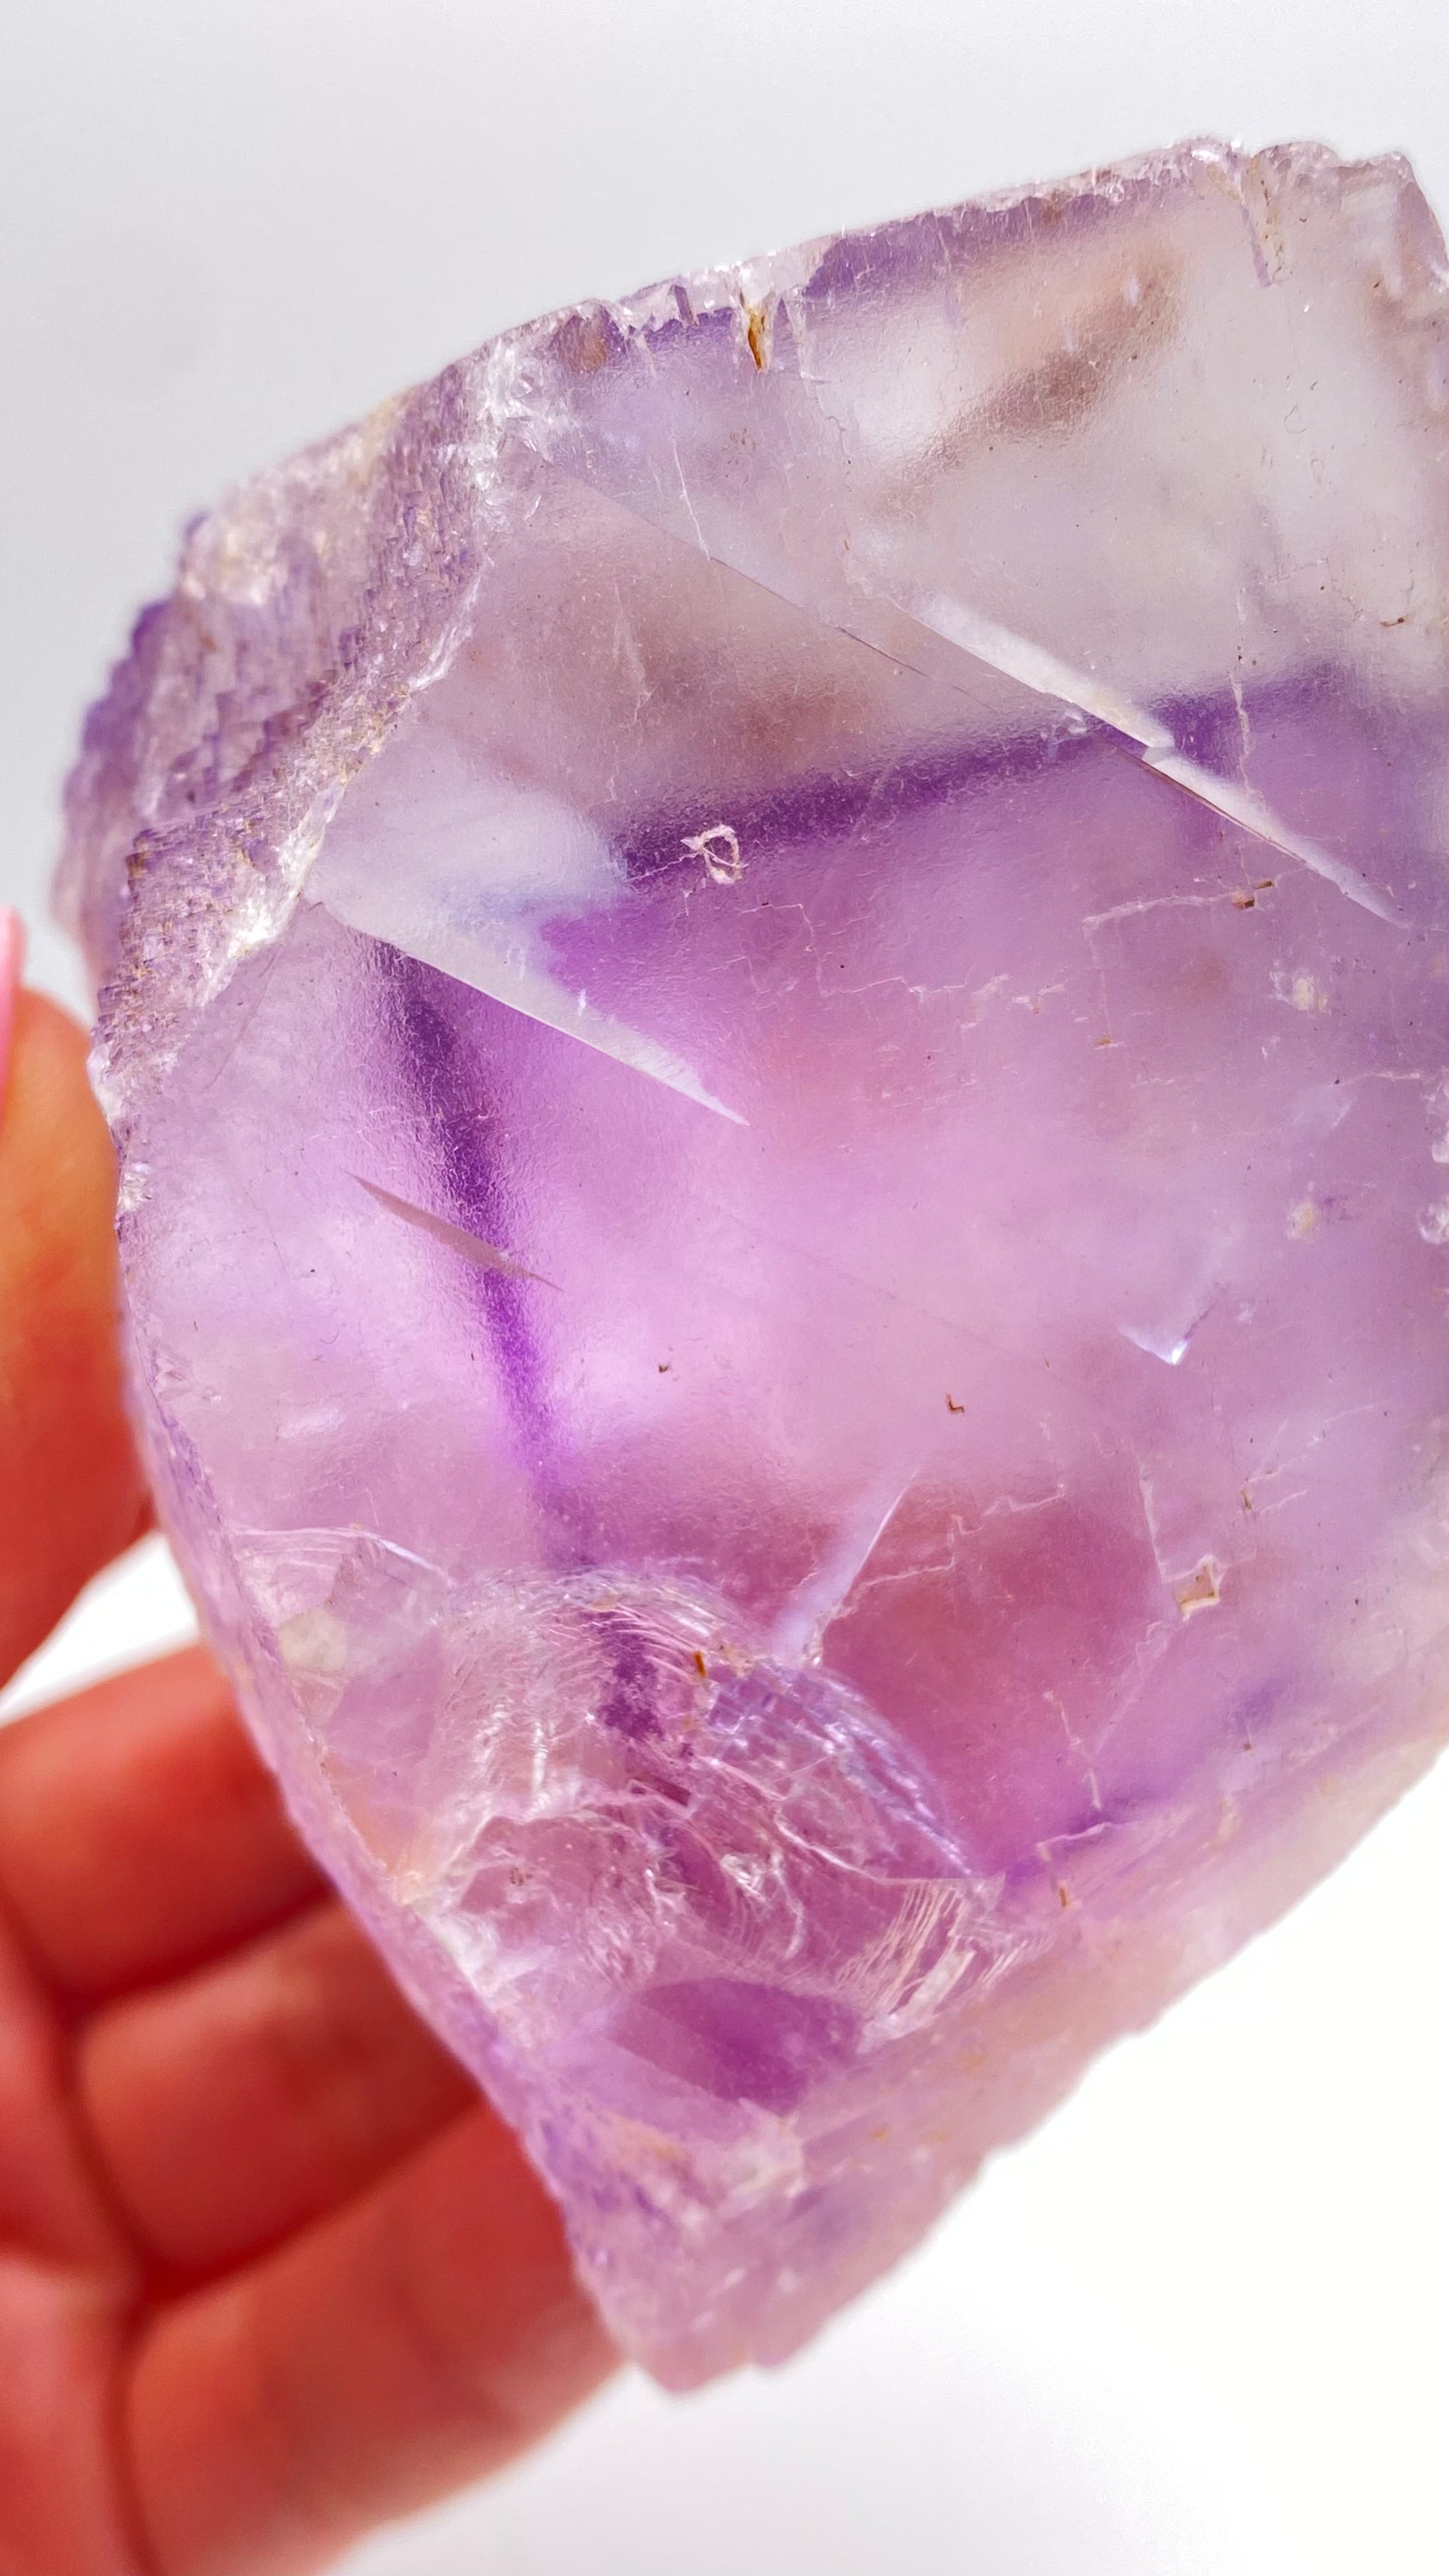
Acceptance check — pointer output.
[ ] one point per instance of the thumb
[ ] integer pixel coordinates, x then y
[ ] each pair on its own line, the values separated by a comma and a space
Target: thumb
71, 1490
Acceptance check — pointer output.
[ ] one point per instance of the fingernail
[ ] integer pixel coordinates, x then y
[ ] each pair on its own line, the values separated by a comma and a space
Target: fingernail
12, 958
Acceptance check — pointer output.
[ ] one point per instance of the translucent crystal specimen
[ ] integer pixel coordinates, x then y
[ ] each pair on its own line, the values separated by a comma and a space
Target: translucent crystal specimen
776, 999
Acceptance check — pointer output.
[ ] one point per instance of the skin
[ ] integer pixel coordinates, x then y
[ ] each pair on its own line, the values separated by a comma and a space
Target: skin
270, 2271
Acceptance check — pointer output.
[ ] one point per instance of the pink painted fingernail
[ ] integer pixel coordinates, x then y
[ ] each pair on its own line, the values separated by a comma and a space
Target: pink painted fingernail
12, 958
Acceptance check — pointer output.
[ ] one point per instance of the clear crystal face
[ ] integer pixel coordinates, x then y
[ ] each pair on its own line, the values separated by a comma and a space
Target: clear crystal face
778, 1015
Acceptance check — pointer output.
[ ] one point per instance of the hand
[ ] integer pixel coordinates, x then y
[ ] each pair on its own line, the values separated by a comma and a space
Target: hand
269, 2269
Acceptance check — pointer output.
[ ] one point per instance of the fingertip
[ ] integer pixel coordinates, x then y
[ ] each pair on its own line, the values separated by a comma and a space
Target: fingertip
73, 1494
12, 959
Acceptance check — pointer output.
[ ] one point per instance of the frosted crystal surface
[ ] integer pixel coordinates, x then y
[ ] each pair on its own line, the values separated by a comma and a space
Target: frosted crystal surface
775, 995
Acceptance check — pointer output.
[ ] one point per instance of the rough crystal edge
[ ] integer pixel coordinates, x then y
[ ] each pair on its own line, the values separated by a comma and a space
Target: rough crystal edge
173, 870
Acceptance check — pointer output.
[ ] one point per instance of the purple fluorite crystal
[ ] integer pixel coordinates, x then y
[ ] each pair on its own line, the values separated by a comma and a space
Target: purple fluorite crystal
776, 999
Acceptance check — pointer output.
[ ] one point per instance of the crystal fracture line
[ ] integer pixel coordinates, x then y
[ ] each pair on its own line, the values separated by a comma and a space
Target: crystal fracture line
506, 975
456, 1238
1018, 658
1252, 813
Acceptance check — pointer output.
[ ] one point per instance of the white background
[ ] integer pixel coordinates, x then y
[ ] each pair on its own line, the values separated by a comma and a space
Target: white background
1200, 2325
